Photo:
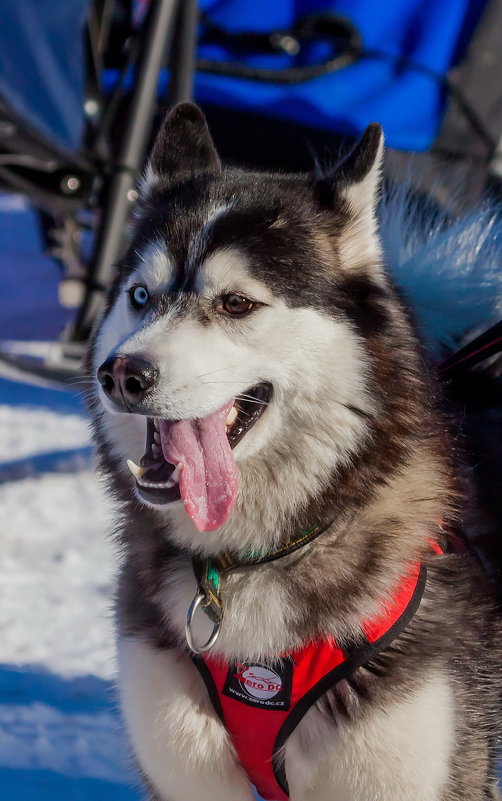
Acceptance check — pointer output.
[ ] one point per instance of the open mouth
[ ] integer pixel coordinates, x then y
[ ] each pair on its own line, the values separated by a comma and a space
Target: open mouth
191, 460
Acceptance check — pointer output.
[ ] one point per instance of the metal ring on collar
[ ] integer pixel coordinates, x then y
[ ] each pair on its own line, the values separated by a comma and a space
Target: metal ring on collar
199, 649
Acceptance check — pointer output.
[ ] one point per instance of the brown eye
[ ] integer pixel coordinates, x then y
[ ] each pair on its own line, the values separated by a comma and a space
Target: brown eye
236, 304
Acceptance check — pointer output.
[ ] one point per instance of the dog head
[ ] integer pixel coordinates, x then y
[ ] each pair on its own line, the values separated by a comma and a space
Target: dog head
233, 361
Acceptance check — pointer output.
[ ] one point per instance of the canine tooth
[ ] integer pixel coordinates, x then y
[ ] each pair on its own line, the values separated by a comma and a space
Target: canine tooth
232, 416
156, 437
135, 469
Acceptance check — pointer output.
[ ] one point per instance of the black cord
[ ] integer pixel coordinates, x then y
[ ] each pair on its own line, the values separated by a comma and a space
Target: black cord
288, 76
339, 32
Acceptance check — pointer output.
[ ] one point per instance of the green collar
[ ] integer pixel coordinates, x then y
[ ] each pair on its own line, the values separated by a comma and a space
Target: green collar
209, 572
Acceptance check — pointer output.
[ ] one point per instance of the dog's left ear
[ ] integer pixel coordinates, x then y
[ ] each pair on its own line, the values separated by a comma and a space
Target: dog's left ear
357, 178
358, 175
354, 184
182, 149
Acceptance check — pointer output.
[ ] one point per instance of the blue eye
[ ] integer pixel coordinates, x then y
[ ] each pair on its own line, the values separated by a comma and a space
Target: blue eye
139, 296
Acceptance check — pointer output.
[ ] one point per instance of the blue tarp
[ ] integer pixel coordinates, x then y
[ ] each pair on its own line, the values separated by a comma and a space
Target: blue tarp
42, 65
408, 103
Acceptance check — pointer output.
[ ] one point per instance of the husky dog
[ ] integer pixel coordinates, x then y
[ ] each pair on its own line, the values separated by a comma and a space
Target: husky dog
256, 372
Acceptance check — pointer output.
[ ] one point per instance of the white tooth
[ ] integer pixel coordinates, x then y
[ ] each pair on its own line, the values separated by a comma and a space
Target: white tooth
232, 416
135, 469
157, 484
156, 437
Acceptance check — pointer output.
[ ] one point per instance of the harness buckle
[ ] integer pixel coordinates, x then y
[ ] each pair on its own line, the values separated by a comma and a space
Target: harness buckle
200, 649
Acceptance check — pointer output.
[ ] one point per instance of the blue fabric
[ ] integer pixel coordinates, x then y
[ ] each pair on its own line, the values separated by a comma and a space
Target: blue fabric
407, 103
42, 65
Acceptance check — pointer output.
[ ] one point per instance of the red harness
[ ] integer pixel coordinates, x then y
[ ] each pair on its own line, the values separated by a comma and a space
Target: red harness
261, 703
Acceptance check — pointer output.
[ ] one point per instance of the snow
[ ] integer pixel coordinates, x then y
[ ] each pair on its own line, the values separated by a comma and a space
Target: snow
25, 431
56, 557
58, 722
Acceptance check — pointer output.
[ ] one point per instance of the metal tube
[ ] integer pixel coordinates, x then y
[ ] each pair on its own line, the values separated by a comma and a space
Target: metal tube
182, 61
111, 237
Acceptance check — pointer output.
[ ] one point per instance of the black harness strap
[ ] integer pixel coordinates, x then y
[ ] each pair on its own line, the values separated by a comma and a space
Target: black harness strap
357, 657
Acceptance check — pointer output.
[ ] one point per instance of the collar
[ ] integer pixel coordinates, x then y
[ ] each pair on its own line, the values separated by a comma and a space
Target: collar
209, 573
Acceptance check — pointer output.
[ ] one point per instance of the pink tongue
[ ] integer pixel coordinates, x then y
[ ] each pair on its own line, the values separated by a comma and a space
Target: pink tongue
208, 473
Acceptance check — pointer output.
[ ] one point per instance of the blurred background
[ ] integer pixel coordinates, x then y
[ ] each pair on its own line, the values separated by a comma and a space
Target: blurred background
83, 86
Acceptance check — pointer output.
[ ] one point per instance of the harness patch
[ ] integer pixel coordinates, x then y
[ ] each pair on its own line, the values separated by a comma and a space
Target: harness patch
259, 685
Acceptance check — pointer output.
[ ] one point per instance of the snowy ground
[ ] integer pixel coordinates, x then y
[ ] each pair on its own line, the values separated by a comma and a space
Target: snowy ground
60, 737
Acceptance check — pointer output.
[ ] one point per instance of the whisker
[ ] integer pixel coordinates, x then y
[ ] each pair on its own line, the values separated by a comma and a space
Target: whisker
79, 380
84, 393
211, 372
250, 399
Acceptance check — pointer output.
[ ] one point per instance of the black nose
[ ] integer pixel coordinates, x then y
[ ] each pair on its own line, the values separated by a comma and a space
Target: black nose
127, 379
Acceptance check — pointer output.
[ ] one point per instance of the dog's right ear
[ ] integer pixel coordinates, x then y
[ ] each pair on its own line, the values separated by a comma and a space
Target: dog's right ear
183, 148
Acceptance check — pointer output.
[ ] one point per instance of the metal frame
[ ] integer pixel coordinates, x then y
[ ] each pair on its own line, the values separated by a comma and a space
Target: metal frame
102, 179
118, 195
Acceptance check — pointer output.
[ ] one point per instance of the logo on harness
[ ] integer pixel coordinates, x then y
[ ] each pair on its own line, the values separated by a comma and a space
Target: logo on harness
259, 682
263, 686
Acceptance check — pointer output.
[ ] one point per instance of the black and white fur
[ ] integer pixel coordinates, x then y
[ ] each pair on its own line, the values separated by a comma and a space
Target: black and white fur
351, 435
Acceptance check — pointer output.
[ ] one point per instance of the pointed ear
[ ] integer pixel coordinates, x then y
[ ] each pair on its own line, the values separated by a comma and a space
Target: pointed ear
358, 175
183, 147
356, 178
355, 183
